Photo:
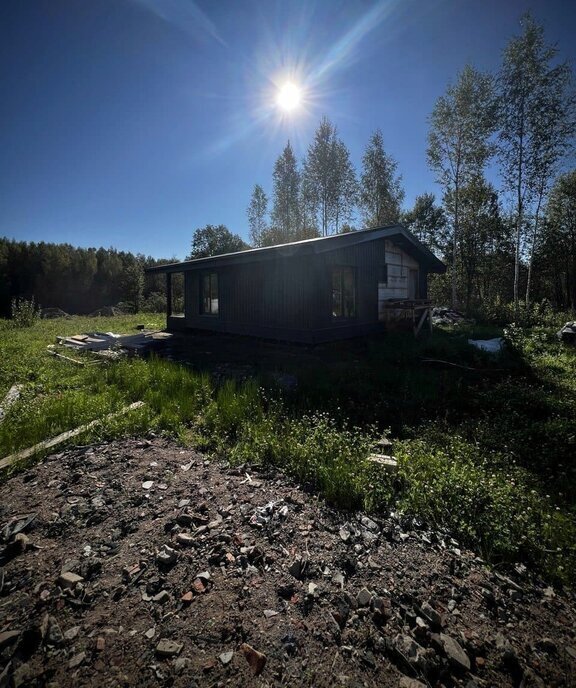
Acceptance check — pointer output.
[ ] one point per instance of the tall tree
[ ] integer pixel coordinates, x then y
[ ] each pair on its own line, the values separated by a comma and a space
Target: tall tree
213, 240
427, 221
557, 252
286, 209
480, 226
329, 183
459, 146
133, 284
537, 123
381, 192
257, 211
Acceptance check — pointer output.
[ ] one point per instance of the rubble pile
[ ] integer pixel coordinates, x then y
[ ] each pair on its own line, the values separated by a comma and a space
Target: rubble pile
139, 563
567, 333
441, 315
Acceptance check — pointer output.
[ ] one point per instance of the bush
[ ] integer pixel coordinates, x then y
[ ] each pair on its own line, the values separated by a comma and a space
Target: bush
24, 312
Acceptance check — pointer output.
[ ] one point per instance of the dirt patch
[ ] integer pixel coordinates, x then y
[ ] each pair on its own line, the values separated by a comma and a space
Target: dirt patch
139, 563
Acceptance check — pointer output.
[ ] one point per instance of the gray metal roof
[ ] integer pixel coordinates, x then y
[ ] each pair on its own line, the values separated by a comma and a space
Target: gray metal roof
396, 233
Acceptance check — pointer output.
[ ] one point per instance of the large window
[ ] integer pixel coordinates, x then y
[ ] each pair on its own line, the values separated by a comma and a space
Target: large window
344, 292
209, 296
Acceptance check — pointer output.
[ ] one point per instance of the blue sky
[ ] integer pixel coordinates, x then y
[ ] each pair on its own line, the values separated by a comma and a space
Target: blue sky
130, 123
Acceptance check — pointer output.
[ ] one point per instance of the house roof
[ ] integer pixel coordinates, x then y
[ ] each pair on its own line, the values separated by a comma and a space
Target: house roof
396, 233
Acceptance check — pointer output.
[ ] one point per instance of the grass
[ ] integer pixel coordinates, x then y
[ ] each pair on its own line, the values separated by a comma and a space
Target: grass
486, 452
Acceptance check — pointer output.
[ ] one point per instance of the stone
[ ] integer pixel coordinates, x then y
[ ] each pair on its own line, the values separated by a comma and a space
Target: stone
71, 633
204, 576
69, 580
162, 597
429, 613
150, 633
147, 484
167, 556
344, 534
407, 682
456, 655
185, 539
312, 589
8, 637
22, 676
100, 644
363, 597
53, 635
269, 613
168, 648
256, 660
198, 586
226, 657
547, 645
76, 660
187, 597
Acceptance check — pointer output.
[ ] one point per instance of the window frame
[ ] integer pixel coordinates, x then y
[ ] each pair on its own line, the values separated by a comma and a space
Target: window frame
341, 287
212, 278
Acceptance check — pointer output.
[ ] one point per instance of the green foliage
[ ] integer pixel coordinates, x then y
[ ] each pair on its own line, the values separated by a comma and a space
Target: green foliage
24, 312
381, 192
214, 240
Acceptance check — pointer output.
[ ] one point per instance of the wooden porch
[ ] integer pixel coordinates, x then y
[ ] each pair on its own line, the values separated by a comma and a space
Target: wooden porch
402, 312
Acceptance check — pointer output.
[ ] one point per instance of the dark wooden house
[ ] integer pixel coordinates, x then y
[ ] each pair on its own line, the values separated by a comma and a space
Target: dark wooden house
315, 290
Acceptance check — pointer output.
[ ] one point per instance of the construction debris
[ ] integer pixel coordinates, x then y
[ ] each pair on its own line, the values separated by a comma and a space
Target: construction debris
52, 313
47, 444
110, 345
11, 398
441, 315
567, 334
491, 346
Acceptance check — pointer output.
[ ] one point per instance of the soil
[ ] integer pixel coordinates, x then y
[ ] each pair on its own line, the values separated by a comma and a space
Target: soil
141, 563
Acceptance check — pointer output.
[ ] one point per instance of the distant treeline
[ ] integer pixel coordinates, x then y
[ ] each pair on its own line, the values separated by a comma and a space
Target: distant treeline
77, 280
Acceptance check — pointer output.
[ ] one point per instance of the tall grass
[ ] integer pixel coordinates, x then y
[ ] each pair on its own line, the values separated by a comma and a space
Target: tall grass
483, 452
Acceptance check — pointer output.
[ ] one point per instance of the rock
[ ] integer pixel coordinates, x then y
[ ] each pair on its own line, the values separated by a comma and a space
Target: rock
363, 597
344, 534
150, 633
312, 590
198, 586
430, 614
255, 659
77, 660
456, 655
406, 682
69, 580
185, 539
22, 676
547, 645
100, 644
147, 484
187, 597
71, 633
269, 613
167, 556
204, 576
369, 524
226, 657
8, 637
162, 597
53, 634
168, 648
409, 653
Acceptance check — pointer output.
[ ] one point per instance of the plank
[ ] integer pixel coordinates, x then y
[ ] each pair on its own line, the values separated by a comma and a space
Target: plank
11, 398
47, 444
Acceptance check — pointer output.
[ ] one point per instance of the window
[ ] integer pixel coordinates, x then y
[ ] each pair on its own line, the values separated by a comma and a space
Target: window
209, 294
176, 293
344, 292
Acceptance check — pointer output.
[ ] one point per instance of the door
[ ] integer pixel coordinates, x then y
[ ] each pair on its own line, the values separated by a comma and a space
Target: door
413, 284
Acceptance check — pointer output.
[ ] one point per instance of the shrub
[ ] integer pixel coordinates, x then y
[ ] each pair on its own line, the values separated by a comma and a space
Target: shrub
24, 312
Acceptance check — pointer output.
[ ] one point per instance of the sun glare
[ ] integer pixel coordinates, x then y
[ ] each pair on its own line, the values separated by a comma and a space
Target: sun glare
289, 97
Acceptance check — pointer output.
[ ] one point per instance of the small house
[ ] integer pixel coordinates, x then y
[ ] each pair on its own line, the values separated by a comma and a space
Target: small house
316, 290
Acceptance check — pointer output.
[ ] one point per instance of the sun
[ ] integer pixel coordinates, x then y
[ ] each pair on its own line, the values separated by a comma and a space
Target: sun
289, 97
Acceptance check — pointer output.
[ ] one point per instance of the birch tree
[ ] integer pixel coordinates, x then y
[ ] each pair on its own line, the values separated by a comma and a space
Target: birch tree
537, 124
459, 146
381, 192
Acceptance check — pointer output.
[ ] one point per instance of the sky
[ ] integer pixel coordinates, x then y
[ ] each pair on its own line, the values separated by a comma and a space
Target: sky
131, 123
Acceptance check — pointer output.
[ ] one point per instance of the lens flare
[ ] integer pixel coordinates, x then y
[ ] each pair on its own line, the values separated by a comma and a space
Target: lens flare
289, 97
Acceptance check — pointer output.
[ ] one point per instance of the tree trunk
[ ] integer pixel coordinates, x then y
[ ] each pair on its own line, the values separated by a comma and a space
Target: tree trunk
533, 247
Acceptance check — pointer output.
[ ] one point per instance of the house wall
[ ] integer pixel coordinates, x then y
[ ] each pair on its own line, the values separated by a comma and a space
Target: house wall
291, 298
